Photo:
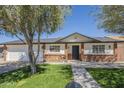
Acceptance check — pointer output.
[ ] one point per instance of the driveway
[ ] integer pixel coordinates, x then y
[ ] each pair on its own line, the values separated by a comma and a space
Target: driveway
10, 66
5, 67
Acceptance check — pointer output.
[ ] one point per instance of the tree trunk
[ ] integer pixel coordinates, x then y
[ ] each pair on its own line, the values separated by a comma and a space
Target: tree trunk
33, 68
31, 58
38, 47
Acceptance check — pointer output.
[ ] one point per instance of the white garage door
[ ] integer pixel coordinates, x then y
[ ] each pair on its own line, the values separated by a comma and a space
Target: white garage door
20, 53
21, 56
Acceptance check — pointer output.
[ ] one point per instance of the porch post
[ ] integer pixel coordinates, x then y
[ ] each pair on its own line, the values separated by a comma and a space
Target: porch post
82, 51
115, 52
66, 51
44, 47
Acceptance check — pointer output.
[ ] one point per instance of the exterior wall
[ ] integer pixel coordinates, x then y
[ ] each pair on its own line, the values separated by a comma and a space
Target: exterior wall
65, 53
3, 53
99, 58
55, 56
20, 53
110, 57
116, 53
120, 51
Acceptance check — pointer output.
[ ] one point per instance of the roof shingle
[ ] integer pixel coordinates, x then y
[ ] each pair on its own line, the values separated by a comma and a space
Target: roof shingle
56, 40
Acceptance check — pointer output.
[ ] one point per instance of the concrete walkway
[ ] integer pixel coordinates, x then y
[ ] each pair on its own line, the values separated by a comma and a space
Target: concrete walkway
82, 77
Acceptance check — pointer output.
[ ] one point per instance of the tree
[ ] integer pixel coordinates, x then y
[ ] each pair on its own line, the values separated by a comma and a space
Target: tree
111, 18
28, 22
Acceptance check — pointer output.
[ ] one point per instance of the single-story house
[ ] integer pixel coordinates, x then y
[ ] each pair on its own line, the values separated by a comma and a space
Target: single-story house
72, 47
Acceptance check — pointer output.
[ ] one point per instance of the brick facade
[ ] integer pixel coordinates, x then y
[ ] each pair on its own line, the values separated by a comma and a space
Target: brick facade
54, 58
69, 56
120, 51
82, 52
99, 58
117, 56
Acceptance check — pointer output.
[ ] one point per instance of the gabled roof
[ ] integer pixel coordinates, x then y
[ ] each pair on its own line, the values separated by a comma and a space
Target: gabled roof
117, 37
49, 40
77, 34
60, 40
104, 39
107, 39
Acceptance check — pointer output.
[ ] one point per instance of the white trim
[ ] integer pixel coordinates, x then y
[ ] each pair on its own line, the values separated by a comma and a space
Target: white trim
62, 49
88, 49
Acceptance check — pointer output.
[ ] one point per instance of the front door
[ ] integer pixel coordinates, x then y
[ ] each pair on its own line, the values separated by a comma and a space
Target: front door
75, 52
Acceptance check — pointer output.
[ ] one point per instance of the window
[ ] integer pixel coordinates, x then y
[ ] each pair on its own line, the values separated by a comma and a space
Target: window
99, 49
54, 48
1, 50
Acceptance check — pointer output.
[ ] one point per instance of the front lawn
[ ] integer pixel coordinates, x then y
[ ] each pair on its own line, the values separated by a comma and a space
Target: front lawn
48, 76
109, 78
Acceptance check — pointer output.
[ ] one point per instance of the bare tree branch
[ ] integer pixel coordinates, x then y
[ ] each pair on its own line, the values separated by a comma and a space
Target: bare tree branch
20, 39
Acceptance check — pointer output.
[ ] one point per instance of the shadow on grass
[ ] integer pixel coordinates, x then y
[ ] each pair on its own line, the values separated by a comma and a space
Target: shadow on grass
109, 78
19, 74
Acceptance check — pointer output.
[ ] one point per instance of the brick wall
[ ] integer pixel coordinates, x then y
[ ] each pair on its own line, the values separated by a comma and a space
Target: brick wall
54, 58
120, 51
99, 58
69, 56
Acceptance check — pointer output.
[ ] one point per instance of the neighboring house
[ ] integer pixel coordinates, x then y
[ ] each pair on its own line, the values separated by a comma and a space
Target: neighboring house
72, 47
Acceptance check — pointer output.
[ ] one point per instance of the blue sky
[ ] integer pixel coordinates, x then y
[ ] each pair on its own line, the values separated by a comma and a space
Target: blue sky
80, 20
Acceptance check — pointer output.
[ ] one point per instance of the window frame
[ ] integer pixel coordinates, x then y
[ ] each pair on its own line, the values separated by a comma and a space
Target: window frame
1, 49
98, 49
108, 51
54, 48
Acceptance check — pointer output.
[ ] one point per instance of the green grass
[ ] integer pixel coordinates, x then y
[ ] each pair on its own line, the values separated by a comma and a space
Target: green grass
48, 76
108, 78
